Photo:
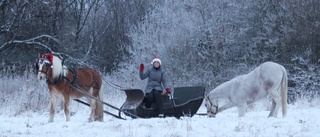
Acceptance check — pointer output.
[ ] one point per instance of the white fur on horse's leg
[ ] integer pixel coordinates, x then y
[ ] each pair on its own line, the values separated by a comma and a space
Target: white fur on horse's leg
242, 109
99, 106
66, 108
91, 118
276, 109
273, 106
52, 111
241, 112
93, 110
276, 103
98, 113
93, 106
90, 101
53, 101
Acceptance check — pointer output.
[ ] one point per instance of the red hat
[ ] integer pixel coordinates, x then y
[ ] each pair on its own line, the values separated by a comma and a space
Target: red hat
156, 59
49, 57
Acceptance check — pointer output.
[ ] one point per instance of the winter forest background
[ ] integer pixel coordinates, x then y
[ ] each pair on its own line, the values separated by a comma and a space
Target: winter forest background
200, 42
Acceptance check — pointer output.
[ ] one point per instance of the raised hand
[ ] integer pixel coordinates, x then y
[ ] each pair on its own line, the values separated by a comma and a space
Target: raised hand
141, 67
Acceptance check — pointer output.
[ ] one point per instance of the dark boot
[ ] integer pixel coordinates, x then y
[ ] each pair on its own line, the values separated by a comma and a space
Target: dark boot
148, 100
158, 101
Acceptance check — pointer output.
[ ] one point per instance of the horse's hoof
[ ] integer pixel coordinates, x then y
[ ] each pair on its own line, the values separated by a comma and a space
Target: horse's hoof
90, 120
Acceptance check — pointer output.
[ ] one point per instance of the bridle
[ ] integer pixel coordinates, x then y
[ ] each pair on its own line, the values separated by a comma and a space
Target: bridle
47, 63
211, 105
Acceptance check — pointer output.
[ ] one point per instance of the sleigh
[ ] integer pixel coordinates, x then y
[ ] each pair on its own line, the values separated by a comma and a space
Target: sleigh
184, 101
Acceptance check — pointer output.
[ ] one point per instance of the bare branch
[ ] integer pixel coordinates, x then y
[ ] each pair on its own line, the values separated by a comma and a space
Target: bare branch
32, 41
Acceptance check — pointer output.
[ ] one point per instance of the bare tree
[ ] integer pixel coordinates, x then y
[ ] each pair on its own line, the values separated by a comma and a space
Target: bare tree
88, 33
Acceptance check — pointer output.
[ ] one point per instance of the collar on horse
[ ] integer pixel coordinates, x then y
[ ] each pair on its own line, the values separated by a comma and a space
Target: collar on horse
74, 80
59, 79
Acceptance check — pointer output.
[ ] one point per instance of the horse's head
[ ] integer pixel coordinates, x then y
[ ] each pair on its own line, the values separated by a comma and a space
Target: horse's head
49, 66
211, 105
43, 67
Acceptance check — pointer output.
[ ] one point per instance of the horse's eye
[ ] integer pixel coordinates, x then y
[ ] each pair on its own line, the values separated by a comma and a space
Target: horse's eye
205, 105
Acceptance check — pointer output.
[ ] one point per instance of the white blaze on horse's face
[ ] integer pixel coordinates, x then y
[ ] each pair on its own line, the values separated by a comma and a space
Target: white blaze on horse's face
212, 107
42, 73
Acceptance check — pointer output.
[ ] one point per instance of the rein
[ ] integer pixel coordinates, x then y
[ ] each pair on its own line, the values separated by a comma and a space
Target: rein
113, 85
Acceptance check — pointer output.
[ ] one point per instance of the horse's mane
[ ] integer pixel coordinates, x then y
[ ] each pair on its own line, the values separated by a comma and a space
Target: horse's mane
57, 67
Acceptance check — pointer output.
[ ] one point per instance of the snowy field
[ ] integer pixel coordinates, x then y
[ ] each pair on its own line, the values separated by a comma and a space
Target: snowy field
302, 120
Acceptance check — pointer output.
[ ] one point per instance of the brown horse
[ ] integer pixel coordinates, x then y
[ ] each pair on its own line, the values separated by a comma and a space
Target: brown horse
61, 81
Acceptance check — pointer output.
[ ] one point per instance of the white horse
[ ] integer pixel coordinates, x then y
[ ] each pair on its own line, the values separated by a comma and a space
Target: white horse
269, 78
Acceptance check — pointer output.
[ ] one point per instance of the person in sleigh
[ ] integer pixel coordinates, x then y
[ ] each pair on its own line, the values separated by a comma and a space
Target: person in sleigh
157, 85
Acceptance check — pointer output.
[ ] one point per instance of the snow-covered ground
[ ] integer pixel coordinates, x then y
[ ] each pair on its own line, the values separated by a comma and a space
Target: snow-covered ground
302, 120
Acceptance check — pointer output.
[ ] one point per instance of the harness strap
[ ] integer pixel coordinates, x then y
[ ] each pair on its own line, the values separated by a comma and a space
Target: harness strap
56, 80
74, 74
75, 79
211, 104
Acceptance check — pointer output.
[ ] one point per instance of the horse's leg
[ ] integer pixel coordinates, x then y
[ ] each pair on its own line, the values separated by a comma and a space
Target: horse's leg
99, 108
93, 109
273, 106
276, 103
242, 109
66, 103
53, 101
93, 105
99, 112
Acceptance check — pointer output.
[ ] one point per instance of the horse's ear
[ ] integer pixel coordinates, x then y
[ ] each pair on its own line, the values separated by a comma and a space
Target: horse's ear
39, 55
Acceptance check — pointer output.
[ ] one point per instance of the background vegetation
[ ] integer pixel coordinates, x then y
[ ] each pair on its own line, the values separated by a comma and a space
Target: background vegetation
201, 42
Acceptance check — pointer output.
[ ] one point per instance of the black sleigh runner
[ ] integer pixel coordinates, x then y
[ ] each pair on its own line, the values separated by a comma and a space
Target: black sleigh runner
184, 101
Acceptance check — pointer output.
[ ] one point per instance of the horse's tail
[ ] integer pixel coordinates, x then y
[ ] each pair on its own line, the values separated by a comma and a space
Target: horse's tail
99, 109
284, 91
